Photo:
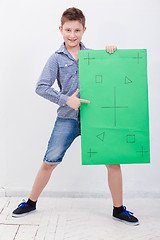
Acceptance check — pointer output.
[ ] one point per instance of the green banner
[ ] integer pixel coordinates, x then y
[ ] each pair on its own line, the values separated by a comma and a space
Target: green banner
115, 124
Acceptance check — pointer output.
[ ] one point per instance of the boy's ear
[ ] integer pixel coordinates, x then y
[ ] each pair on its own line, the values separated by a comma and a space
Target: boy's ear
60, 28
84, 29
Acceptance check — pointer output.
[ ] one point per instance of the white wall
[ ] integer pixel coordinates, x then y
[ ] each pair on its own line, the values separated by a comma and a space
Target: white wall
29, 35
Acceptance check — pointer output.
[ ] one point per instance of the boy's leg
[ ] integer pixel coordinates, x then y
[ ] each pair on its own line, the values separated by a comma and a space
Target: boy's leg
115, 184
41, 180
63, 134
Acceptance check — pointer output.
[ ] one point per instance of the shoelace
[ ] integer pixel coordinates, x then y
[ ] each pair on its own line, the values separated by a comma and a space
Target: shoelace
22, 204
128, 213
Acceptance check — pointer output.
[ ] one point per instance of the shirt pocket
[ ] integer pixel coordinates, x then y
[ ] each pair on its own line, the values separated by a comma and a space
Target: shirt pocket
66, 64
66, 67
67, 70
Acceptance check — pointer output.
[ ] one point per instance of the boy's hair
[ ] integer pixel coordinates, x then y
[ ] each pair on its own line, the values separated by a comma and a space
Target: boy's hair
73, 14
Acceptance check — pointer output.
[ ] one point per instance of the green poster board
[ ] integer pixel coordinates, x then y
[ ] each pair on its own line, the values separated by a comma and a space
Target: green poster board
115, 124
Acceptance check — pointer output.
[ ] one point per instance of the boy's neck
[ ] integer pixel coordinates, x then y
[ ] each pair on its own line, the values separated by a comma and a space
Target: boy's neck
73, 49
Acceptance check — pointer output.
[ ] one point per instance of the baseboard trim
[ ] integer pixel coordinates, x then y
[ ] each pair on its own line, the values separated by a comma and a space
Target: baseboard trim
2, 192
135, 194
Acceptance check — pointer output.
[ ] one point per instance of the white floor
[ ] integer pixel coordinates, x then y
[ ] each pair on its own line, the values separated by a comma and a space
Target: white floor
79, 219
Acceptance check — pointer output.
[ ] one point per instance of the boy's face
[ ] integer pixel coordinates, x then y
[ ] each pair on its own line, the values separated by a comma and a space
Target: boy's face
72, 32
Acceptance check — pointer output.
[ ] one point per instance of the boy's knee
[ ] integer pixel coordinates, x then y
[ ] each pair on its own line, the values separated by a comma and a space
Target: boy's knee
48, 167
113, 166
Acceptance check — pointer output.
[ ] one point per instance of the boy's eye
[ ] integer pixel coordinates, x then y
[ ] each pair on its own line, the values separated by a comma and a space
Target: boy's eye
68, 30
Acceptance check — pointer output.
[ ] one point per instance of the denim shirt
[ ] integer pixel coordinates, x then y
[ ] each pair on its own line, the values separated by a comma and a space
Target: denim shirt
61, 66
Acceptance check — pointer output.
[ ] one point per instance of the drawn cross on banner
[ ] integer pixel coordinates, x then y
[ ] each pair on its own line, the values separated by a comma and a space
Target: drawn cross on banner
138, 57
142, 151
91, 152
115, 107
88, 59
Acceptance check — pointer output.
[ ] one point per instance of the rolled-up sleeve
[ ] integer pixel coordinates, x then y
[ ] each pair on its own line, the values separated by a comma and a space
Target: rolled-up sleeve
46, 80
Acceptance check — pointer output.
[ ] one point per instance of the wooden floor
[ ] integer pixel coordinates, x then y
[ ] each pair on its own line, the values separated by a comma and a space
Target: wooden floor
79, 219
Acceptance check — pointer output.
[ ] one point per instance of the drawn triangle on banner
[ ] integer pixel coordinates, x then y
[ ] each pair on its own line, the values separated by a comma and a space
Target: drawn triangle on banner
101, 136
127, 80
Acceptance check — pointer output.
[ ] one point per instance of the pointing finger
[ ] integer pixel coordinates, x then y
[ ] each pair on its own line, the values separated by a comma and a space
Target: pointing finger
83, 100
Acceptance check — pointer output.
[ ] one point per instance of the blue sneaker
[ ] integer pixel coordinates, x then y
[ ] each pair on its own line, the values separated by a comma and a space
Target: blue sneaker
23, 209
126, 217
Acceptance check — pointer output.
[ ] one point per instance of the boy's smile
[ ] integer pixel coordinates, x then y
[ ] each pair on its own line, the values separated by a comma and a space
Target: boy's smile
72, 32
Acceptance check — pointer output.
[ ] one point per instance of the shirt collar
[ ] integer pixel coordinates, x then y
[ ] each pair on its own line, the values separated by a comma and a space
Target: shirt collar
63, 49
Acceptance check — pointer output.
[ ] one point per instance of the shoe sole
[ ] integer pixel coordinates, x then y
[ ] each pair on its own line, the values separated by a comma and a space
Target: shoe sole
129, 223
23, 214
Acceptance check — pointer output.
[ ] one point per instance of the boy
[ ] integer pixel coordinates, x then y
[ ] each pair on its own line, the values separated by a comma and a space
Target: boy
63, 66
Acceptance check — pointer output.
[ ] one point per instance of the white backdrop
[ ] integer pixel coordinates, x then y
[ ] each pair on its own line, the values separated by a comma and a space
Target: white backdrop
29, 35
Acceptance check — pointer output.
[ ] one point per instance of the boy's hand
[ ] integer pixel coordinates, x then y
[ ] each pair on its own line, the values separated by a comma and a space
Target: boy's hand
75, 102
111, 49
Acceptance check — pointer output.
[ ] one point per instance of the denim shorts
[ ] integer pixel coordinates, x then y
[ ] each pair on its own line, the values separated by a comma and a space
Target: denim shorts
63, 134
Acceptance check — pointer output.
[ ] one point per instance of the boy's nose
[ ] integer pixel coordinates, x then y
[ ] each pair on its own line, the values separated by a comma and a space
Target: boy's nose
72, 34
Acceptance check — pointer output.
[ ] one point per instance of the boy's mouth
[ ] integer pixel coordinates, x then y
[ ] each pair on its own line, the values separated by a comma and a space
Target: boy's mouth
72, 40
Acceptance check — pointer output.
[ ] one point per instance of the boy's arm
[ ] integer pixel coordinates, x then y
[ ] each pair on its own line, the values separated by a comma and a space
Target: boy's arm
47, 79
